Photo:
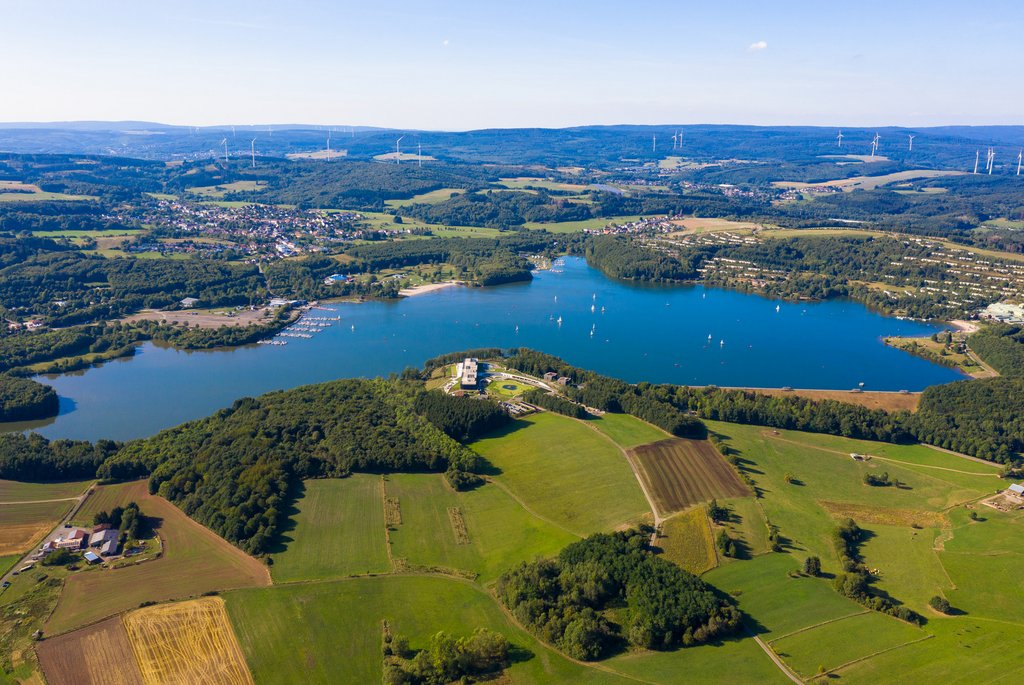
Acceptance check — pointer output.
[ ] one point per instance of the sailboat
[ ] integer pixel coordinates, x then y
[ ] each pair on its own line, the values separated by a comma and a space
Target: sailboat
777, 308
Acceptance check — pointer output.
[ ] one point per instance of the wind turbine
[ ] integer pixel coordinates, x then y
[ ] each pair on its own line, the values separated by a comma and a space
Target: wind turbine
1020, 156
232, 131
874, 145
977, 156
252, 144
839, 139
398, 151
654, 142
225, 144
328, 145
910, 147
991, 160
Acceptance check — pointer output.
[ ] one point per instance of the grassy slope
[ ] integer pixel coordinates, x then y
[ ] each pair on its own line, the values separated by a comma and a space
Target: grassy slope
339, 531
628, 431
565, 472
823, 466
425, 536
331, 632
980, 559
14, 491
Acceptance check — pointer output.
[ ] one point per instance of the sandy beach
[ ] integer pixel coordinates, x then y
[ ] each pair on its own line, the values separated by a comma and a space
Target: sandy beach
426, 288
965, 326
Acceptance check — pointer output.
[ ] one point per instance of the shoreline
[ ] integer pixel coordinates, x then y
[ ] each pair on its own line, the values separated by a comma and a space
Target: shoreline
427, 288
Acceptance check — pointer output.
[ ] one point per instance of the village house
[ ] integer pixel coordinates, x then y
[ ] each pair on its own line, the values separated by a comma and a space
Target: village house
74, 539
102, 537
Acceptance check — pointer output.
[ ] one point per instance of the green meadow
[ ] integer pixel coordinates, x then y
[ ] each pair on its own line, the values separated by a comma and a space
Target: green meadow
339, 531
565, 472
331, 632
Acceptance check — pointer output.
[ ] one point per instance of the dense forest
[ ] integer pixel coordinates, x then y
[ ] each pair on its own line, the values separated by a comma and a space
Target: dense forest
661, 606
486, 261
23, 399
34, 458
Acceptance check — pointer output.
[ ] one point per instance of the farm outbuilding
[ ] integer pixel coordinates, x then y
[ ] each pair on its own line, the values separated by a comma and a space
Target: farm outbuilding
102, 537
1017, 490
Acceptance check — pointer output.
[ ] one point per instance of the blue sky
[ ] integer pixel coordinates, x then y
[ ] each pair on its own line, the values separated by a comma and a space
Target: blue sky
461, 65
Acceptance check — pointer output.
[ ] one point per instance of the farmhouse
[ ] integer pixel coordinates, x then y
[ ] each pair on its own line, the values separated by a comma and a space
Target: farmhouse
469, 373
550, 376
102, 537
1016, 490
75, 538
189, 302
563, 380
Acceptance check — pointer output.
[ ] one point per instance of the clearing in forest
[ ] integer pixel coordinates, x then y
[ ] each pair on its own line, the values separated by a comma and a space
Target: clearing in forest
680, 472
187, 642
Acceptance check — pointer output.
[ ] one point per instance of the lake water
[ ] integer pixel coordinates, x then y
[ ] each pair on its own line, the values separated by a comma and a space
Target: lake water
679, 334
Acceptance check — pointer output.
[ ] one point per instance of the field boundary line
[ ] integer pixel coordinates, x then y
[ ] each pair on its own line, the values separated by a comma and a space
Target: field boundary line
658, 518
932, 466
43, 501
504, 488
818, 625
961, 455
387, 533
870, 656
776, 659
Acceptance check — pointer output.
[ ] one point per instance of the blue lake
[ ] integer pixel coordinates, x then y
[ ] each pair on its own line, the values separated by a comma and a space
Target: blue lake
681, 334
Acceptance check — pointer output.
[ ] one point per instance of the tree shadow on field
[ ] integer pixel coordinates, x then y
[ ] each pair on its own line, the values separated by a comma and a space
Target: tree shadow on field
487, 468
281, 541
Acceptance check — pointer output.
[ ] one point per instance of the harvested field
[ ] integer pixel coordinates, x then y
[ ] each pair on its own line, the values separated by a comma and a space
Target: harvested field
98, 655
187, 642
458, 525
195, 561
889, 517
889, 401
679, 473
686, 541
26, 523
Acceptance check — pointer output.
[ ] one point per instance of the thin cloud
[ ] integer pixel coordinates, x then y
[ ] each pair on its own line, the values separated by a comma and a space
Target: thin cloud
444, 42
758, 46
